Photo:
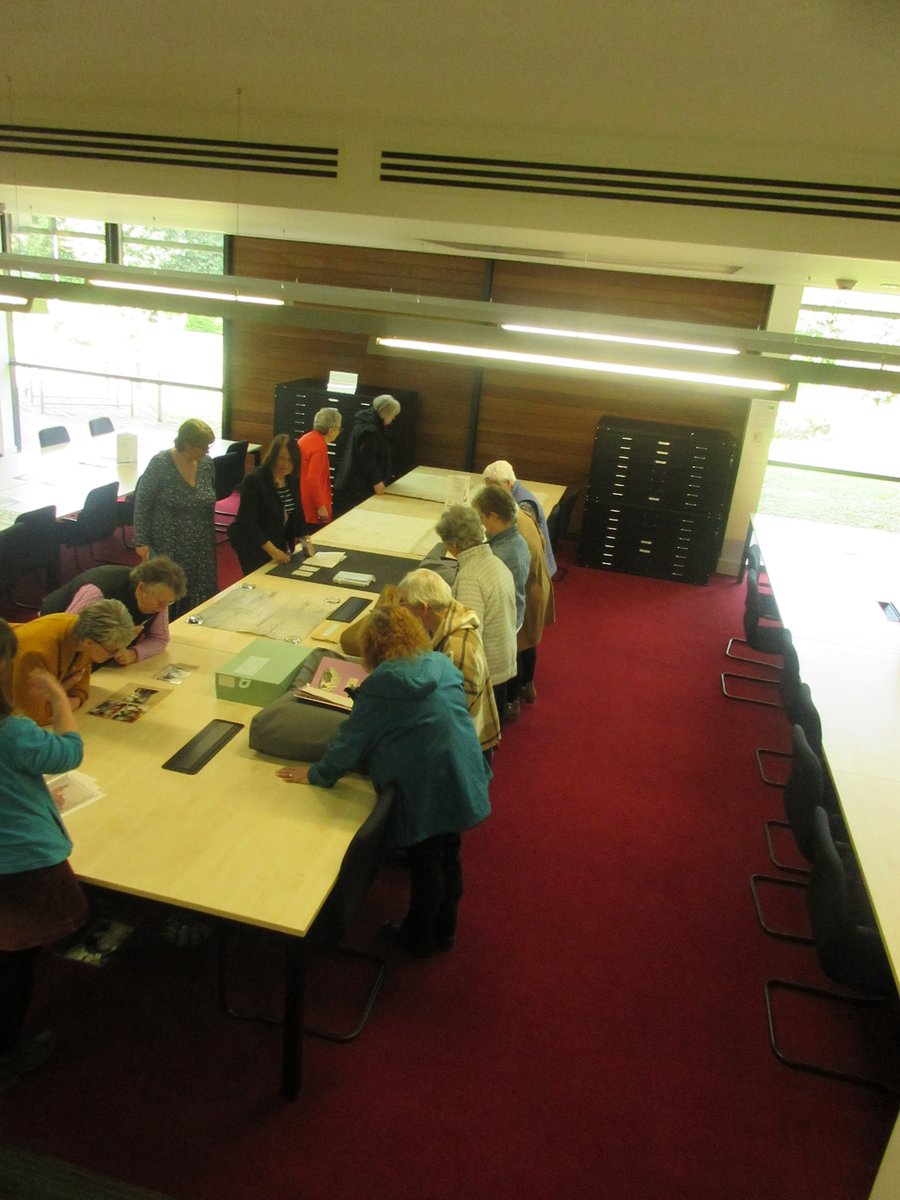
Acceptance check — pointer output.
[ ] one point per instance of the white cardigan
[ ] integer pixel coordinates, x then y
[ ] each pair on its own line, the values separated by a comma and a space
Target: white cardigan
485, 584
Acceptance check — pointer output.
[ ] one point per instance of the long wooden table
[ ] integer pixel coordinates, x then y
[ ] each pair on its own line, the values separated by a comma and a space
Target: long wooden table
830, 583
431, 483
232, 841
398, 525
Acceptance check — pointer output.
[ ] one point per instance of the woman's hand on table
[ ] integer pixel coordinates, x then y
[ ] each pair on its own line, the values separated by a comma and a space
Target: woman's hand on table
125, 657
293, 774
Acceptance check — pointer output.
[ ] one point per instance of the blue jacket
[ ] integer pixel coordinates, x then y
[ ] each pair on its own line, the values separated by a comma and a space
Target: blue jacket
410, 726
32, 834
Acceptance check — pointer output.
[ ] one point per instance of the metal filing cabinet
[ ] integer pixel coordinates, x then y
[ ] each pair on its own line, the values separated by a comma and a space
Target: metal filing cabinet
657, 499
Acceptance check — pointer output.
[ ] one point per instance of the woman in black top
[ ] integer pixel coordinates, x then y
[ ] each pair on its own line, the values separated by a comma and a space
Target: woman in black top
270, 517
365, 467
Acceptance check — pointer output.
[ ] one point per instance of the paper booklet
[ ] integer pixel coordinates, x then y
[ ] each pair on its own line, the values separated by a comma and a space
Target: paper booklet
329, 684
73, 790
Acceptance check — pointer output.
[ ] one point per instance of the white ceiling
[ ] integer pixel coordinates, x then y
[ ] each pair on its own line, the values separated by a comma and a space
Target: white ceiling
806, 91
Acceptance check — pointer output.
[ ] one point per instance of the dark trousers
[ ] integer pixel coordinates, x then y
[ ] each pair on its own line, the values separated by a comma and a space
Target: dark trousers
526, 662
436, 888
16, 986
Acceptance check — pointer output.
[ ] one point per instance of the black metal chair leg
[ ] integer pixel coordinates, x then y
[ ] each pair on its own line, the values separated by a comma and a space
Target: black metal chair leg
774, 985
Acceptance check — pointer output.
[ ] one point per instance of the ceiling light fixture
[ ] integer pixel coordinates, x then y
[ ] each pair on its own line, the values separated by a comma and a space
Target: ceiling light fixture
14, 301
625, 341
182, 291
579, 364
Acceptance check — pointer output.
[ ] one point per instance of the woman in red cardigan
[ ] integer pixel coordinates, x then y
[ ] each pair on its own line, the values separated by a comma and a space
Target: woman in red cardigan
315, 474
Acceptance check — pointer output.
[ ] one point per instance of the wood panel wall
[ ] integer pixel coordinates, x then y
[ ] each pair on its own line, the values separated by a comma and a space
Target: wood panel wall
544, 424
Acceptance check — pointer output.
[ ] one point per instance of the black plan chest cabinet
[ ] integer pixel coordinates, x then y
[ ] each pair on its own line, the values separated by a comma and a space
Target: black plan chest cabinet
657, 499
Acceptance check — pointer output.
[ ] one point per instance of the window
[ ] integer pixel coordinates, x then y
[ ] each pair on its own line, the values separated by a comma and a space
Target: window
74, 361
836, 451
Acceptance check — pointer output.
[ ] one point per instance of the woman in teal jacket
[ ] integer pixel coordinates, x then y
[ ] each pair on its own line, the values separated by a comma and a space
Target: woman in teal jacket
410, 727
40, 898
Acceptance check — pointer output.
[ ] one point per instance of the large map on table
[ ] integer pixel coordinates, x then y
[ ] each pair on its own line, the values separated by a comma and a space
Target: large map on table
255, 610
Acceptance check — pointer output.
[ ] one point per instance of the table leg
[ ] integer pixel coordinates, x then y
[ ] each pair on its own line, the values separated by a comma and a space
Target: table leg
742, 568
292, 1031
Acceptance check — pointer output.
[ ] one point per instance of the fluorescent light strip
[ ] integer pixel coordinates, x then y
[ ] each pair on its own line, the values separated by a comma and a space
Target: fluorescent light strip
179, 291
627, 341
580, 364
5, 299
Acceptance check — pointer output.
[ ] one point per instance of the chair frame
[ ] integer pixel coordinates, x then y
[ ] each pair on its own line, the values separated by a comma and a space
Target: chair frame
772, 986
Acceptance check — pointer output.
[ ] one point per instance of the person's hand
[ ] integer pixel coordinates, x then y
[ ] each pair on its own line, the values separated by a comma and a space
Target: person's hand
44, 686
75, 702
322, 513
59, 797
293, 774
143, 552
280, 556
378, 489
125, 657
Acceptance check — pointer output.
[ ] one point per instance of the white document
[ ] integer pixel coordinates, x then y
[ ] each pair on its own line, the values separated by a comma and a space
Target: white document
77, 790
324, 558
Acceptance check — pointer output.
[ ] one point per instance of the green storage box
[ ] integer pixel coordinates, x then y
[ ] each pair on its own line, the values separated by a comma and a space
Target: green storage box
261, 673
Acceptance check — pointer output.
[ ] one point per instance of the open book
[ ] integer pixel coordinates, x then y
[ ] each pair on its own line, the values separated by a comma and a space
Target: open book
329, 684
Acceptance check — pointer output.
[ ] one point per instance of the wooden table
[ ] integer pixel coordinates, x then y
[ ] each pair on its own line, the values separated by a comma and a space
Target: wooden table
63, 475
327, 633
391, 524
828, 581
232, 841
430, 483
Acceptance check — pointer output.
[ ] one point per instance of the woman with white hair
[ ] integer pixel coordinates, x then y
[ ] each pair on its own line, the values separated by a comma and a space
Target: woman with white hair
365, 469
484, 584
501, 472
455, 632
69, 646
315, 469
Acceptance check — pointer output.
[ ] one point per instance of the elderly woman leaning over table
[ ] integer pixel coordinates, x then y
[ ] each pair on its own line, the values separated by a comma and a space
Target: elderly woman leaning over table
146, 590
484, 584
409, 726
174, 511
68, 645
455, 631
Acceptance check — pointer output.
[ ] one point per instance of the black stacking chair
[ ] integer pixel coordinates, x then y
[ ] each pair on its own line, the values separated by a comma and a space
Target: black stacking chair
558, 524
357, 871
125, 513
29, 547
54, 435
848, 947
100, 425
802, 796
229, 471
763, 639
42, 550
98, 519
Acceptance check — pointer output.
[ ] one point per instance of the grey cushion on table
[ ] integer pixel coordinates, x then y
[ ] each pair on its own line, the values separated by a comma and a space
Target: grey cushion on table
298, 729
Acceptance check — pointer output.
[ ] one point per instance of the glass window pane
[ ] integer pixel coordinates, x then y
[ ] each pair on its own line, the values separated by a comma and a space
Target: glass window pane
173, 249
831, 436
67, 238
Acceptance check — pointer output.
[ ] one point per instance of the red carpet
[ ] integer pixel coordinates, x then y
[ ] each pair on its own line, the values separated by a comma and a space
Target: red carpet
599, 1030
